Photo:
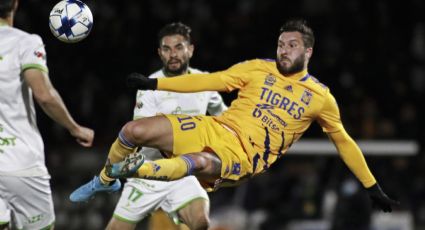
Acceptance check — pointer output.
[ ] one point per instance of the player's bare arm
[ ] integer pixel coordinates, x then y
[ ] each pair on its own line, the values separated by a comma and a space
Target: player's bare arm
51, 103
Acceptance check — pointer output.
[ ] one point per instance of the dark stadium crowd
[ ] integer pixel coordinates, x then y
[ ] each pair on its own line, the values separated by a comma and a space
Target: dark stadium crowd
372, 59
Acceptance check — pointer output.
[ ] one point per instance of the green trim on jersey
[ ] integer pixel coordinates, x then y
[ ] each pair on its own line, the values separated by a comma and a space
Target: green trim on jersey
34, 66
124, 219
138, 117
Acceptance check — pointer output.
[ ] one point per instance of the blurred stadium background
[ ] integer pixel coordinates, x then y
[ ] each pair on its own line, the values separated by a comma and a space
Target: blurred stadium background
370, 53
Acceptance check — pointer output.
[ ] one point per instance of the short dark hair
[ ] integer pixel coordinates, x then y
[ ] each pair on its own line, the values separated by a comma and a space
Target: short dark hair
300, 25
6, 7
174, 29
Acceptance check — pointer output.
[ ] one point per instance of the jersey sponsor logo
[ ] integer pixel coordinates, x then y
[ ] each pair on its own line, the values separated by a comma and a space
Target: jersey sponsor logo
179, 110
269, 108
266, 120
306, 97
35, 219
270, 80
6, 141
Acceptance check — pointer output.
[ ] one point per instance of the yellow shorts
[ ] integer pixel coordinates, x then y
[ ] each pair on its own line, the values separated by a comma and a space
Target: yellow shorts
193, 134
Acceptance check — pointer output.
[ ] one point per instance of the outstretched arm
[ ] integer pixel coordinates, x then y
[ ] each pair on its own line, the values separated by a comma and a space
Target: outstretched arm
183, 84
192, 83
353, 158
51, 103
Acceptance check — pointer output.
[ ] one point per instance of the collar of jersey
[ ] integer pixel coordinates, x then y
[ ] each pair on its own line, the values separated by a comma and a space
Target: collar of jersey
299, 76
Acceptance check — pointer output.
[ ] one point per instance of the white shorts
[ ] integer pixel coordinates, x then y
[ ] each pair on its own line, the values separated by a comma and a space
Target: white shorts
29, 200
140, 197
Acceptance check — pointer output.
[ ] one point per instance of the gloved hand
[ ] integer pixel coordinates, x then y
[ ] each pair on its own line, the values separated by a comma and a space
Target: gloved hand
139, 81
380, 199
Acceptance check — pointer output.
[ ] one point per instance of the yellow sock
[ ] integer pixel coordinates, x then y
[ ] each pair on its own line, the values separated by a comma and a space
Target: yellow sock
165, 169
117, 153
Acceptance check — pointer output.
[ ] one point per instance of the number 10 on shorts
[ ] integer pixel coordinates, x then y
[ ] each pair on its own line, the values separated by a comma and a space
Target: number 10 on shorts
186, 123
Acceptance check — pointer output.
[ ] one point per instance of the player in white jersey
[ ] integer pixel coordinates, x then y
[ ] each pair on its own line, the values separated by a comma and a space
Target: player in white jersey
24, 180
185, 198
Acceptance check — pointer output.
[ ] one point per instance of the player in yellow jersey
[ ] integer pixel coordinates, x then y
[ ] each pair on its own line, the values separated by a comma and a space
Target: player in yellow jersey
277, 102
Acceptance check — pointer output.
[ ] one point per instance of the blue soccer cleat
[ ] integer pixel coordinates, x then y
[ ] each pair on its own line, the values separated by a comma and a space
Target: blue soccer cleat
126, 168
88, 190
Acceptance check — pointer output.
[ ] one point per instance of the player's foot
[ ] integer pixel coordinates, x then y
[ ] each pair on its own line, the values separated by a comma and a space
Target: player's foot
88, 190
126, 168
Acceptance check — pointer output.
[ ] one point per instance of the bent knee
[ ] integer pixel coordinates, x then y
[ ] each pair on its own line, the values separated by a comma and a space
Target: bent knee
135, 132
205, 164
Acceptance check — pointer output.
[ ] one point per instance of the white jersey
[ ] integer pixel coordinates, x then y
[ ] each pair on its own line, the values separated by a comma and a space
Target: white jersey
150, 103
141, 196
21, 146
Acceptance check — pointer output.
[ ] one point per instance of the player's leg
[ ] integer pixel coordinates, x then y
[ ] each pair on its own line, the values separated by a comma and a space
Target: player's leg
202, 147
117, 224
153, 132
196, 214
161, 220
187, 202
204, 165
138, 199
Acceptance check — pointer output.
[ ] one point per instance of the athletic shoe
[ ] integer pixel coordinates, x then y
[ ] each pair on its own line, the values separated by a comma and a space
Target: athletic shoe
126, 168
88, 190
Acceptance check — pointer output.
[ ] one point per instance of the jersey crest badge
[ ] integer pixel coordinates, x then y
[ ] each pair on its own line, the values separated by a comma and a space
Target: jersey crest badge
306, 97
270, 80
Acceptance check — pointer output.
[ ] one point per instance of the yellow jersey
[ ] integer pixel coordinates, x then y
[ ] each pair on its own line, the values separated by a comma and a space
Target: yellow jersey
272, 111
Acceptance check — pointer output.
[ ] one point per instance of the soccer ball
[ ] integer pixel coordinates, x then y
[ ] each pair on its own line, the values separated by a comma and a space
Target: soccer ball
70, 21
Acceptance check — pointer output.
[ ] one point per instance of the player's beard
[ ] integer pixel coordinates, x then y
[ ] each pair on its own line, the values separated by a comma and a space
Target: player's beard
297, 65
179, 71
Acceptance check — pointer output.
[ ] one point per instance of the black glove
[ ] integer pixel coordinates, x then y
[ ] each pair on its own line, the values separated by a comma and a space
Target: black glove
138, 81
380, 199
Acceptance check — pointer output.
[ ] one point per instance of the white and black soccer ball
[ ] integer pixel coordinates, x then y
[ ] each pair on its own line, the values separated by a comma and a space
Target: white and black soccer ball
70, 21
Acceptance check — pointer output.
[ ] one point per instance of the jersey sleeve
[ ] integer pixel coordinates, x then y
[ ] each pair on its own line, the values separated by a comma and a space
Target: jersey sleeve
216, 105
329, 117
32, 53
238, 75
228, 80
145, 104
